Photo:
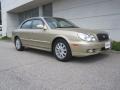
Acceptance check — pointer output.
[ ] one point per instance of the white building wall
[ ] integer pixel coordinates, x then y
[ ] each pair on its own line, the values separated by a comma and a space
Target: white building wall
11, 4
92, 14
12, 23
9, 20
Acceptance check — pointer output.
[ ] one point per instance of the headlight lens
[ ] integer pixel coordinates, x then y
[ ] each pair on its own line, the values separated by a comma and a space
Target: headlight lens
87, 37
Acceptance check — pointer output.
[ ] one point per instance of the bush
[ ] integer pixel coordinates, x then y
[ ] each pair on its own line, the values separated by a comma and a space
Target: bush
116, 46
5, 38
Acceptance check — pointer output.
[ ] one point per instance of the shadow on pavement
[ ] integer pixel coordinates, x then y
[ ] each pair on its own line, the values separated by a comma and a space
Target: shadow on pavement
90, 59
40, 52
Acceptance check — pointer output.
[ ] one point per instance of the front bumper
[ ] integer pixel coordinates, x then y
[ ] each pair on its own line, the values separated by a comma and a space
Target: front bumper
81, 49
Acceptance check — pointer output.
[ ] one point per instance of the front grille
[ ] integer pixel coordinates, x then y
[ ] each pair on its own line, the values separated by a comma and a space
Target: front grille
102, 37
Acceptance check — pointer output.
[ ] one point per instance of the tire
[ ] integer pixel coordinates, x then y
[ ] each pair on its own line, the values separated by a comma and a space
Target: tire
61, 50
18, 44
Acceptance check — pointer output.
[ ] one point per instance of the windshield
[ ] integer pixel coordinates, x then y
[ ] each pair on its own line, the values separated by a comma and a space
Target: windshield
59, 23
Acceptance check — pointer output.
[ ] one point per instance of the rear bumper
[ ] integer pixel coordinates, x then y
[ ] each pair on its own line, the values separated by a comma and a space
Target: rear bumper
81, 49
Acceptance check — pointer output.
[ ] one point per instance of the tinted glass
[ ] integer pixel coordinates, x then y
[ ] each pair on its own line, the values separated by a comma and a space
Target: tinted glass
36, 23
27, 25
59, 23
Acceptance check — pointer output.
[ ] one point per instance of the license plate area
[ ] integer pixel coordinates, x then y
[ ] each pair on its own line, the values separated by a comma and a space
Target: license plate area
107, 45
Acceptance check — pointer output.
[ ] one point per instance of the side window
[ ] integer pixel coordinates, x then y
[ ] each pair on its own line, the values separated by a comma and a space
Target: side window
27, 25
36, 23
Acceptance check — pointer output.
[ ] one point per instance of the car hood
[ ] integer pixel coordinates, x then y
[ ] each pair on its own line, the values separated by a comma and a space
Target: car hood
81, 30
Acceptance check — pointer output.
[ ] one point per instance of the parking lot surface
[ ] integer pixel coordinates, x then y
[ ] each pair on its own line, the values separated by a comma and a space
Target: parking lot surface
38, 70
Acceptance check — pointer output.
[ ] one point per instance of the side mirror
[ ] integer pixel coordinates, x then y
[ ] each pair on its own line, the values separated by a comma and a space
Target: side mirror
42, 27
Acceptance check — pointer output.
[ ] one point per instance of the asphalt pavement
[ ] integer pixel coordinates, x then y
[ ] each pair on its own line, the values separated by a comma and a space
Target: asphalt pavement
38, 70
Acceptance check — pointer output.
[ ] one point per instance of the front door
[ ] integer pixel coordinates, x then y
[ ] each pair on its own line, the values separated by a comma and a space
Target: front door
39, 36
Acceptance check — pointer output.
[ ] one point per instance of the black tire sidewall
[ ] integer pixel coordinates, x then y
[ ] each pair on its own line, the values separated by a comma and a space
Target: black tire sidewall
21, 47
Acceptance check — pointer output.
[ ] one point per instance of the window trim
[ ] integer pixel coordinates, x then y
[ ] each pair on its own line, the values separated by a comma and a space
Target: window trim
31, 23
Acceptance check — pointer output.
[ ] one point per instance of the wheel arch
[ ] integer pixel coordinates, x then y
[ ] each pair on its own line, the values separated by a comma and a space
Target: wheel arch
15, 37
56, 38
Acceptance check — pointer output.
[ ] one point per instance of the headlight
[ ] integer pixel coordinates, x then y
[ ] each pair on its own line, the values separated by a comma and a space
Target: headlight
87, 37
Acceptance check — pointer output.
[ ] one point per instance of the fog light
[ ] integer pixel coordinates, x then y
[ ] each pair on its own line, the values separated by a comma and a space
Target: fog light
90, 50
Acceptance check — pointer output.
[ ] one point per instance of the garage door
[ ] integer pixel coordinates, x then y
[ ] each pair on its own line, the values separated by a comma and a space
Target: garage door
28, 14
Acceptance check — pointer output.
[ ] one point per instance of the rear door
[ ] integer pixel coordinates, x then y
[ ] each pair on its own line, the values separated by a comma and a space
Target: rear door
26, 32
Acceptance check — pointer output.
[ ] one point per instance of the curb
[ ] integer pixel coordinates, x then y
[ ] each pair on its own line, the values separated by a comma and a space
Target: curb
117, 52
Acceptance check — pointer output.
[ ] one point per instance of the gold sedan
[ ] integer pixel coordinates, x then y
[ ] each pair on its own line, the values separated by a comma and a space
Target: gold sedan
61, 37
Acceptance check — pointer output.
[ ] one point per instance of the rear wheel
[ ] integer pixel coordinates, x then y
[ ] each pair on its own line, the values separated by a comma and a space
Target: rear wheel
18, 44
62, 50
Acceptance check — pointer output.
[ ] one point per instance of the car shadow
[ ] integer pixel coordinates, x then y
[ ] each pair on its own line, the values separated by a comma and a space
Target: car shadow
90, 59
40, 52
87, 59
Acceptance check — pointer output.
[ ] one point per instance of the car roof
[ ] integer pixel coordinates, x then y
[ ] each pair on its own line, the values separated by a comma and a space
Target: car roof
40, 17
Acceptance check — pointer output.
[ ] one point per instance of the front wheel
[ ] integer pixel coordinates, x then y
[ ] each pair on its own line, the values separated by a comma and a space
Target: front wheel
18, 44
62, 50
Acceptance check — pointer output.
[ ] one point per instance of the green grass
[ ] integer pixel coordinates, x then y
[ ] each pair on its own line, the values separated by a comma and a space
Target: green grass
5, 38
116, 46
